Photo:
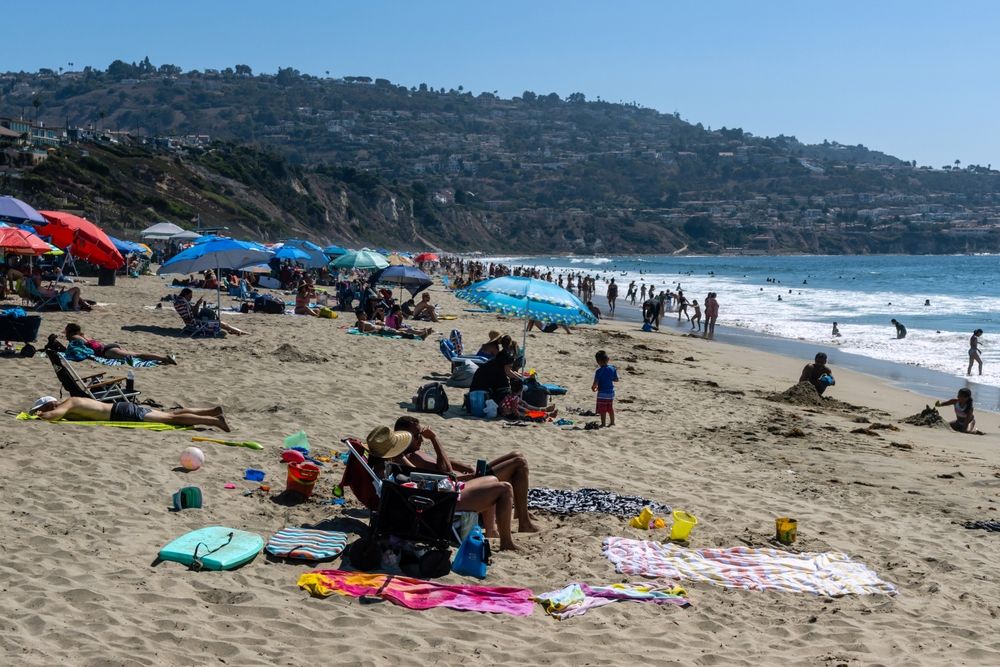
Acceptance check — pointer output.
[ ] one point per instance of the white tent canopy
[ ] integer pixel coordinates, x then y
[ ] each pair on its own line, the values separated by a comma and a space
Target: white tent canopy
161, 230
185, 235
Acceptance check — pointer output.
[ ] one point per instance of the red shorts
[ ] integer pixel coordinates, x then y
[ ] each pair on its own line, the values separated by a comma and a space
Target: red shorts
605, 405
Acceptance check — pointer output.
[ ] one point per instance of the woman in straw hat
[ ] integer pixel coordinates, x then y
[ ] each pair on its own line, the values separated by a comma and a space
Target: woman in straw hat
483, 495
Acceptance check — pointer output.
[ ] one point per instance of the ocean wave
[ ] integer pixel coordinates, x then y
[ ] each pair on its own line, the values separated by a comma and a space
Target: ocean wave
596, 261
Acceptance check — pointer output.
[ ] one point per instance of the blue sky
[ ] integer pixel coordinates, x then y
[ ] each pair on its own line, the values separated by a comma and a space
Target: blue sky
915, 79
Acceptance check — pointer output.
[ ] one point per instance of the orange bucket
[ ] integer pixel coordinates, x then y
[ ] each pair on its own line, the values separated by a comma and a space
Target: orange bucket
302, 478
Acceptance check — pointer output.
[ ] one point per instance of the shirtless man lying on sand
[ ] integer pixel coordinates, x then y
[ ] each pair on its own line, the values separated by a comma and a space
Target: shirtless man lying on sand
87, 409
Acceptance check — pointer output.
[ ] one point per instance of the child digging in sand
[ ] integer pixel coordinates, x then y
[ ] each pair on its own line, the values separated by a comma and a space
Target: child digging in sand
604, 384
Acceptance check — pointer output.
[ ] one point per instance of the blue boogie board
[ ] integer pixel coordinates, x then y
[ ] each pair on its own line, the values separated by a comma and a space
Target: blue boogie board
213, 548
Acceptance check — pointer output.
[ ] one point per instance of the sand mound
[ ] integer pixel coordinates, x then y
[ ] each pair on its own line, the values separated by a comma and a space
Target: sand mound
927, 417
801, 394
288, 352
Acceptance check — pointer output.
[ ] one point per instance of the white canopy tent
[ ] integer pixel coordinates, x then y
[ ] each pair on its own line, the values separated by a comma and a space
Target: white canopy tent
161, 230
185, 235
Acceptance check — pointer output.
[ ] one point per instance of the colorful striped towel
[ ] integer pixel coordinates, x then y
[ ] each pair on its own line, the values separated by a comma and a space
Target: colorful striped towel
419, 594
830, 573
577, 599
306, 544
107, 361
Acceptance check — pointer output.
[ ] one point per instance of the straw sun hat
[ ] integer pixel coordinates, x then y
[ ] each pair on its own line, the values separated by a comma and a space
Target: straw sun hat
384, 443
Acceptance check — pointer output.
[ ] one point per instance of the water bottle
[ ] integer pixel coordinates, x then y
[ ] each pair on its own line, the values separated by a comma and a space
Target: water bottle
470, 560
130, 383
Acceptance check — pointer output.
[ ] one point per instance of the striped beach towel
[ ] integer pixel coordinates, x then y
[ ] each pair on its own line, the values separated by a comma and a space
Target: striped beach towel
756, 569
107, 361
306, 544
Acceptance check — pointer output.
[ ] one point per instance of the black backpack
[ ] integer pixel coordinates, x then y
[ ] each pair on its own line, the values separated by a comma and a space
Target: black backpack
268, 304
431, 398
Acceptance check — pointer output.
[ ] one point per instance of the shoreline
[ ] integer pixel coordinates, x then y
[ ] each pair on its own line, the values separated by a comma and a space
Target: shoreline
922, 381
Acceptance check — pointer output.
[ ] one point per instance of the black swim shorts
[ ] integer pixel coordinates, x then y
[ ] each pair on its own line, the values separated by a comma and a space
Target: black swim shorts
124, 411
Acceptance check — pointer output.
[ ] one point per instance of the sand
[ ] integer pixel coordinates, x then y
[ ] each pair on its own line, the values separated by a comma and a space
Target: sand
86, 508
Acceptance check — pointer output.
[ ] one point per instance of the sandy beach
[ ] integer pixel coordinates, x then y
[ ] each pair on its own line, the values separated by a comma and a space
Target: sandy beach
87, 508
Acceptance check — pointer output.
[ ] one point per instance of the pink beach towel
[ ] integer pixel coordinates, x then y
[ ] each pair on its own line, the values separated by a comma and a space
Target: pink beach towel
419, 594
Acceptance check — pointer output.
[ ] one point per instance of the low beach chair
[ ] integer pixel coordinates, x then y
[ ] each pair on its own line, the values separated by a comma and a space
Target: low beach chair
38, 300
89, 386
193, 326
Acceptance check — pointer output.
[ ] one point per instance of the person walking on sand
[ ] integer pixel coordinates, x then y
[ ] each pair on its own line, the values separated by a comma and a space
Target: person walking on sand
604, 384
696, 318
711, 314
630, 294
682, 306
612, 296
974, 356
900, 329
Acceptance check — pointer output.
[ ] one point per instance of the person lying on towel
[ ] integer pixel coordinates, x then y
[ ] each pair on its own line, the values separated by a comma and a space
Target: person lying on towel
364, 326
87, 409
511, 468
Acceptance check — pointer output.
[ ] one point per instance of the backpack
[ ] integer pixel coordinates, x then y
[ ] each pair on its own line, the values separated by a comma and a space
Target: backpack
431, 398
268, 304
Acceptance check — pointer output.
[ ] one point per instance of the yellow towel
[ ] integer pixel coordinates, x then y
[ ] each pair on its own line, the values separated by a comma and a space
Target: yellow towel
149, 426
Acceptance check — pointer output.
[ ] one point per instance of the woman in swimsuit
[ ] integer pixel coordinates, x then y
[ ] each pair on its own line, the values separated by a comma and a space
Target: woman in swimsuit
965, 420
974, 352
81, 347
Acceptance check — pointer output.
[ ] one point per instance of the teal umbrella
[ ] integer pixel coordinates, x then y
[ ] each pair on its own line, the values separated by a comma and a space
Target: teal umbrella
360, 259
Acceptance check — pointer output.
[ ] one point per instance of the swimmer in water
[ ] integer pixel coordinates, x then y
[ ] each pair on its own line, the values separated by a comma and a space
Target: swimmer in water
900, 329
836, 331
974, 356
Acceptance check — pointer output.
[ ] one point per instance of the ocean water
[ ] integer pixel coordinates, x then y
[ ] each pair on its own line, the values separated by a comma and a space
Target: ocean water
862, 294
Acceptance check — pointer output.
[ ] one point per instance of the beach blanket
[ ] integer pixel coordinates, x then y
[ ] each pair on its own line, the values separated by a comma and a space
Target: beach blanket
306, 544
419, 594
577, 599
106, 361
559, 501
754, 569
354, 332
991, 525
148, 426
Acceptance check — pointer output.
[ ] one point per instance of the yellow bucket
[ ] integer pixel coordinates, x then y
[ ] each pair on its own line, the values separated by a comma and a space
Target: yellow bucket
683, 524
785, 529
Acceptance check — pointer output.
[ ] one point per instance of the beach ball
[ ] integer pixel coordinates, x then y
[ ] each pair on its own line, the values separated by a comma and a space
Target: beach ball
192, 458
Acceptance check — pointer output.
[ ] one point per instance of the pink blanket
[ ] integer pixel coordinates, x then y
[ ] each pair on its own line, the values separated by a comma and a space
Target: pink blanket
419, 594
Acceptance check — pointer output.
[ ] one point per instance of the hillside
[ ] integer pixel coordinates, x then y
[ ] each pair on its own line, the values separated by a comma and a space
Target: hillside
358, 159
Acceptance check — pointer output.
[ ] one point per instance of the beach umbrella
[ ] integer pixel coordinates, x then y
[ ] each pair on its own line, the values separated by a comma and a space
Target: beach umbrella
528, 299
360, 259
16, 241
334, 251
161, 230
395, 259
291, 253
257, 268
426, 257
316, 258
128, 247
413, 279
81, 238
16, 211
219, 254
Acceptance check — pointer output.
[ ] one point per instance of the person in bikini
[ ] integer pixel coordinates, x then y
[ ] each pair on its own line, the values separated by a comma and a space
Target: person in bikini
81, 347
965, 420
77, 408
974, 356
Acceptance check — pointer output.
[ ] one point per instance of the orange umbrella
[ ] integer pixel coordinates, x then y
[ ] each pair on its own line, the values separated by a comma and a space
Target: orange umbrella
82, 238
19, 242
426, 257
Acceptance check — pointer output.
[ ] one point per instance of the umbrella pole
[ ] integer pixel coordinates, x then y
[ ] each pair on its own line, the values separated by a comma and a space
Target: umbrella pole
218, 290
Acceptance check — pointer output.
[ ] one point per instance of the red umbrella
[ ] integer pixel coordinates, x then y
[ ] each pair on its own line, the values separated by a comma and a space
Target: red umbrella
82, 238
19, 242
426, 257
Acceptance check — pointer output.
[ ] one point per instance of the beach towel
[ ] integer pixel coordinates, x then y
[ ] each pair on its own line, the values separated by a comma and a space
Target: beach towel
148, 426
306, 544
754, 569
354, 332
559, 501
577, 599
106, 361
419, 594
991, 525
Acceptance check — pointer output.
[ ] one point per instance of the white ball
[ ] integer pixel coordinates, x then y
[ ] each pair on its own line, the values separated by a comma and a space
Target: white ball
192, 458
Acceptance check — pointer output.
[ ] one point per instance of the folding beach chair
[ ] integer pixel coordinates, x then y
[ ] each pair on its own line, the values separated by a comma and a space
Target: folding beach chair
89, 386
193, 326
38, 300
399, 514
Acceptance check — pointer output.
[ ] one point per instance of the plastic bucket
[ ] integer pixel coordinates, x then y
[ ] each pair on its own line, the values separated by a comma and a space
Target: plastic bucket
785, 529
302, 478
683, 524
477, 403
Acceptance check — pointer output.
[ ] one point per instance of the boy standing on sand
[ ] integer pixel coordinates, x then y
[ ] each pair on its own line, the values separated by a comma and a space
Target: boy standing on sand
604, 384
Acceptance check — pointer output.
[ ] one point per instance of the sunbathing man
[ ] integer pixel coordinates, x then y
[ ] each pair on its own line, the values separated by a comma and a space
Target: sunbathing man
81, 347
483, 495
364, 326
87, 409
425, 309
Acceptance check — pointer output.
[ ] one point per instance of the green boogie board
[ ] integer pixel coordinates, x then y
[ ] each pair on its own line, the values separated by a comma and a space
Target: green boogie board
213, 548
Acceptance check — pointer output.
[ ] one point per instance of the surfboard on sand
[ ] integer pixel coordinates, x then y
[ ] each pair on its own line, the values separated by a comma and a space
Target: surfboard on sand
213, 548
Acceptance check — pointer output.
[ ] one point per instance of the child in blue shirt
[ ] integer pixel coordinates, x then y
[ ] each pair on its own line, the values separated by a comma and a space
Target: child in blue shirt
604, 384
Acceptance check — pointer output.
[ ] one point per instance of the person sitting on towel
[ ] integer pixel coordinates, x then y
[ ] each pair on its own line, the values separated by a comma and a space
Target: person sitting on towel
425, 309
484, 495
364, 326
77, 408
